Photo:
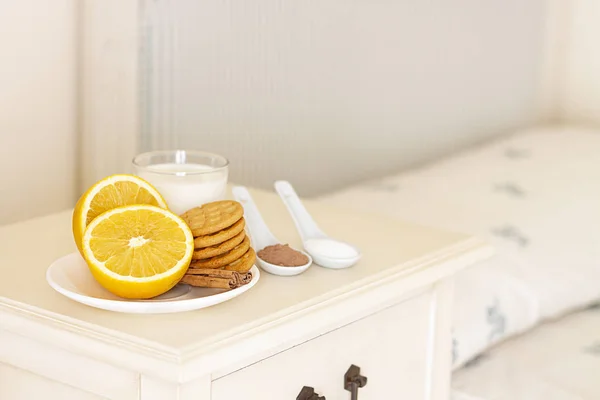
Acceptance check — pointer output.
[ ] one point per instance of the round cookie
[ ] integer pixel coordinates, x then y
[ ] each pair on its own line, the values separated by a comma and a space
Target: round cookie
244, 263
213, 217
218, 249
201, 242
224, 259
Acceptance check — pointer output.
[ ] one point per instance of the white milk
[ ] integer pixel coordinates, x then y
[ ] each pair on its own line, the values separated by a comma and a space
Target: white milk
183, 187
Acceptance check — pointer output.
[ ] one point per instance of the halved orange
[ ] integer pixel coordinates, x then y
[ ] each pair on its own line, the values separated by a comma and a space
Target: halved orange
108, 193
138, 251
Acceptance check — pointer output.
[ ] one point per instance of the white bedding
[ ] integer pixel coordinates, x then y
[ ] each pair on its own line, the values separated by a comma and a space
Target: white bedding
557, 361
535, 196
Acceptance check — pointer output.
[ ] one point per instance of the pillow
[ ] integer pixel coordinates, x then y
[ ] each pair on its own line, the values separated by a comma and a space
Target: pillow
535, 195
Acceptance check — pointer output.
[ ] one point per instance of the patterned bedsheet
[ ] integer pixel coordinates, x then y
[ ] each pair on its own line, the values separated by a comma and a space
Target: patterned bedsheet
535, 195
558, 360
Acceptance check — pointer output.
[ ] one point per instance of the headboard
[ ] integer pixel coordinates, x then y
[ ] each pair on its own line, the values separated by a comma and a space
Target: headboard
330, 92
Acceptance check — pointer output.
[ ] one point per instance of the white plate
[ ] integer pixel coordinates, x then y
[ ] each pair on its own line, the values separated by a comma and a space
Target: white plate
71, 277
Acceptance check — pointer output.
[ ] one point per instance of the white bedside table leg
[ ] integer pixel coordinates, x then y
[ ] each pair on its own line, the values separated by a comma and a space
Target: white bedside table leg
440, 347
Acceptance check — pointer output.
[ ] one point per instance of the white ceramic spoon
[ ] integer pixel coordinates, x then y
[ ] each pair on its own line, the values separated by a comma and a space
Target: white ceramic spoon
325, 251
261, 236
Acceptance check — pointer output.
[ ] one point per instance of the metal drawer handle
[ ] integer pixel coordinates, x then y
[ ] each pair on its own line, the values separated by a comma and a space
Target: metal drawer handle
353, 381
308, 393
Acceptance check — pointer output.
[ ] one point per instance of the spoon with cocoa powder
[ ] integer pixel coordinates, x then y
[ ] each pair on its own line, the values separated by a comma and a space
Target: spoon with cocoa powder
272, 256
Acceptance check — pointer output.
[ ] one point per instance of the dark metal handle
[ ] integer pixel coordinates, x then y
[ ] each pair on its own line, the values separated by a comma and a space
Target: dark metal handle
308, 393
353, 381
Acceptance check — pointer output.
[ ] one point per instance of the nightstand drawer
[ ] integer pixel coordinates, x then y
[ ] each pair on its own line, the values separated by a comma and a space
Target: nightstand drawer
390, 347
19, 384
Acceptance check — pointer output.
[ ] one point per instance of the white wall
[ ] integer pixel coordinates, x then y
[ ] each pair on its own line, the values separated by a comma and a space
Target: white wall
580, 86
37, 107
462, 71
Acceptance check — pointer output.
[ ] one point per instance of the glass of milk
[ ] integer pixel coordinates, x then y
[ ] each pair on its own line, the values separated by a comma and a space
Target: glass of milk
185, 178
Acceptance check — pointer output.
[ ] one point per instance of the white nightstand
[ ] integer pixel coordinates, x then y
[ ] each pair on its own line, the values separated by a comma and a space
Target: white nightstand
389, 315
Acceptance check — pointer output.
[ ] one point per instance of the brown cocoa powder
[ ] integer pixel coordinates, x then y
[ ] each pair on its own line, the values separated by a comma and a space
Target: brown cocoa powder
282, 255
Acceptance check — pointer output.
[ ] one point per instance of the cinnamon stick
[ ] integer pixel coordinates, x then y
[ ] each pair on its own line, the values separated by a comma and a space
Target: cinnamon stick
216, 278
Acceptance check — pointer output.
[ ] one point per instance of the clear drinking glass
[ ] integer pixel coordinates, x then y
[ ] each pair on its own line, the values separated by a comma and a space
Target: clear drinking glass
185, 178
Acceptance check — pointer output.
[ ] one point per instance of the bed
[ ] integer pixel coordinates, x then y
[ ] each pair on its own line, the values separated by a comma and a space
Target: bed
559, 360
519, 328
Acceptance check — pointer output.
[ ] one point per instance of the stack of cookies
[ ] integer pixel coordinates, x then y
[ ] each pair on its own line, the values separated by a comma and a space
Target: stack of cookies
220, 240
